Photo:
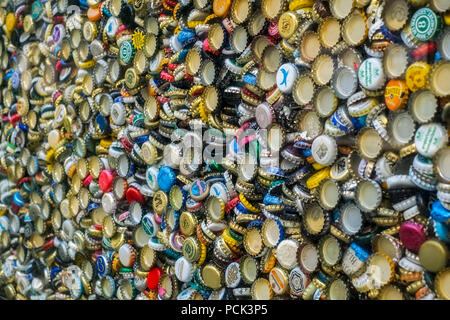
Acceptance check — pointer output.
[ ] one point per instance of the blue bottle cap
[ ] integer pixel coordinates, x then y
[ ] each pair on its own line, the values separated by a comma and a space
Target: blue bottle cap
166, 178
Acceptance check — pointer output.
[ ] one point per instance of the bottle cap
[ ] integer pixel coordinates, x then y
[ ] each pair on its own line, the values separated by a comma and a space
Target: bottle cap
286, 76
310, 46
430, 138
340, 8
322, 69
371, 74
288, 24
423, 105
368, 195
325, 102
441, 284
261, 290
297, 281
437, 79
396, 94
324, 150
395, 14
417, 75
355, 29
329, 32
350, 218
344, 82
329, 251
369, 143
221, 8
433, 255
425, 23
441, 161
283, 253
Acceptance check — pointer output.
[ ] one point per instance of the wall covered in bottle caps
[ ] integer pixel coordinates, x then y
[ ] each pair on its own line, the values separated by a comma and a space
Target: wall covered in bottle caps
224, 149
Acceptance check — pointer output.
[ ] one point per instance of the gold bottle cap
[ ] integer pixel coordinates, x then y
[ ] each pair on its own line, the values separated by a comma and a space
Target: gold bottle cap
322, 69
212, 276
272, 8
388, 245
160, 201
210, 98
28, 24
390, 292
188, 223
266, 80
271, 58
256, 23
381, 269
368, 195
140, 62
271, 233
249, 269
329, 32
369, 143
149, 45
261, 290
257, 46
355, 29
433, 255
98, 214
191, 249
314, 219
395, 14
341, 8
325, 102
193, 61
288, 24
438, 79
239, 39
131, 78
140, 237
442, 284
423, 105
253, 242
147, 258
216, 36
328, 194
241, 11
310, 46
37, 240
303, 90
109, 227
330, 251
337, 290
89, 31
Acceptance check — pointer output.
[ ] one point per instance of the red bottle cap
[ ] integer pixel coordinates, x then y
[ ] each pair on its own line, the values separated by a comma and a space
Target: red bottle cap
105, 180
153, 278
424, 50
15, 118
87, 181
133, 194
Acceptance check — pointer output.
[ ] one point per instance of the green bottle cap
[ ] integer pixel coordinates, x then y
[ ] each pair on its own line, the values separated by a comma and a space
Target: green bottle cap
127, 52
425, 24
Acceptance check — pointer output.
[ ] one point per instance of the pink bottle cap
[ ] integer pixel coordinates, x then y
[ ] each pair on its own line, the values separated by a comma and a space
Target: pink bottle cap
412, 235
